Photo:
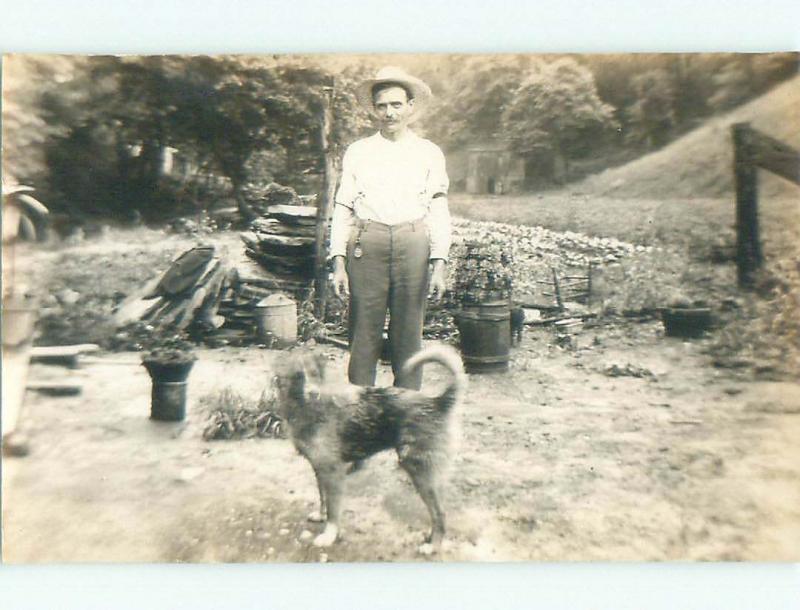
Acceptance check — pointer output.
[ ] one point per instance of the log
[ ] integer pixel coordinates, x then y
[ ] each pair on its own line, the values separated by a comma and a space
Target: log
211, 285
210, 307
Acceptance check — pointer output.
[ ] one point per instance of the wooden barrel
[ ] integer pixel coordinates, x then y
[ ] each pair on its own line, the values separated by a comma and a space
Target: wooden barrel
276, 320
485, 337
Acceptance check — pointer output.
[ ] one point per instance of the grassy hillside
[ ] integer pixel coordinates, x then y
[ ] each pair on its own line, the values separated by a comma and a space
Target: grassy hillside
698, 165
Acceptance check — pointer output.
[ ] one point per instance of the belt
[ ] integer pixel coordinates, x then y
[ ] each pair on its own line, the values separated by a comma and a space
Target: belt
362, 224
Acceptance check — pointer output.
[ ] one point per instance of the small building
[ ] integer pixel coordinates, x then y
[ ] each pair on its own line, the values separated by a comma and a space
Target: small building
493, 168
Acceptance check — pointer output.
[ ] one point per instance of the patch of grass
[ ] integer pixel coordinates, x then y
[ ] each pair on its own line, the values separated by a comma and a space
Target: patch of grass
232, 416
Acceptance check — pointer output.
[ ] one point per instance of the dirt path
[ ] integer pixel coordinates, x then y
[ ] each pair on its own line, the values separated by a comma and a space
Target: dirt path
558, 461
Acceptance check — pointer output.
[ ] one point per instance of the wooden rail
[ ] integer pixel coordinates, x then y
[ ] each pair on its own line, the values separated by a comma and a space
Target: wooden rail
753, 150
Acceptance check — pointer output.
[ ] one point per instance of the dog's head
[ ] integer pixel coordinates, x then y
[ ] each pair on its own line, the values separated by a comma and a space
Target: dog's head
298, 375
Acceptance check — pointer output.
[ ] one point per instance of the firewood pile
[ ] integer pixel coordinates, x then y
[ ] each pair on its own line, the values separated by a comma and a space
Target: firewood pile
215, 301
190, 291
282, 242
204, 296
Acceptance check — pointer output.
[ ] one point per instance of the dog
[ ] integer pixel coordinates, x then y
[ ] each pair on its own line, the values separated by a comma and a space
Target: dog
336, 426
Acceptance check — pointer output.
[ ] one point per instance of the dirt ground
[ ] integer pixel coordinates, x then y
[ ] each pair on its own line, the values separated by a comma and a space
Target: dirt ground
558, 460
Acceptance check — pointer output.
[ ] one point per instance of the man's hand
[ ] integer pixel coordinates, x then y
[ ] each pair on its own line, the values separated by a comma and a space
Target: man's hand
341, 285
438, 282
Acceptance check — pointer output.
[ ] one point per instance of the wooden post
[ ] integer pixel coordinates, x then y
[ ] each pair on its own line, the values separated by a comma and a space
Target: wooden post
589, 271
748, 247
557, 290
324, 207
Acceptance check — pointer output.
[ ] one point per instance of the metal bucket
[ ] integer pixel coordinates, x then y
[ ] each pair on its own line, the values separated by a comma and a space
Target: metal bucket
485, 337
168, 400
276, 320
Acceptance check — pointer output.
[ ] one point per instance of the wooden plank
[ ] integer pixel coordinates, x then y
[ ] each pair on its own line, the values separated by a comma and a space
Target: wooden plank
285, 241
293, 211
775, 156
556, 289
50, 351
210, 286
273, 226
63, 355
55, 388
136, 307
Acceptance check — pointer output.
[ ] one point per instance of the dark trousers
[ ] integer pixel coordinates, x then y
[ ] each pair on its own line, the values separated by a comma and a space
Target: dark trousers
391, 274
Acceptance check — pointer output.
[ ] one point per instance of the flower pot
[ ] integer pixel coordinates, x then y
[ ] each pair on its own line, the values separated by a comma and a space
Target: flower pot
168, 394
170, 372
168, 400
686, 322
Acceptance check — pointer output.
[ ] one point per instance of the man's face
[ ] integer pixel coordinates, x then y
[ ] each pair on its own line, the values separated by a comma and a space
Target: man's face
393, 108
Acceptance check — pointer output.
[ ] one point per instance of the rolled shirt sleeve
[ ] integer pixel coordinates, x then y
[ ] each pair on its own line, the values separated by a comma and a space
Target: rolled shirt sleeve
343, 208
341, 224
346, 193
439, 227
438, 182
439, 214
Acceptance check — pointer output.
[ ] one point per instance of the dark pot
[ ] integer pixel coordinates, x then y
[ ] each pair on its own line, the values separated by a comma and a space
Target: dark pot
686, 322
168, 372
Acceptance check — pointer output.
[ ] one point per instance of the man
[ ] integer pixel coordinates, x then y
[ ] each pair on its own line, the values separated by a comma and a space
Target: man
390, 235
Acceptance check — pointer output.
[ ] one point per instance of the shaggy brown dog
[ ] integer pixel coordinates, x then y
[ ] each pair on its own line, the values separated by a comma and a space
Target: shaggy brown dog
337, 425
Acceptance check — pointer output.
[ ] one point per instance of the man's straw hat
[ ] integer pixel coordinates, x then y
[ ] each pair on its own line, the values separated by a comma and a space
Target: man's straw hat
420, 91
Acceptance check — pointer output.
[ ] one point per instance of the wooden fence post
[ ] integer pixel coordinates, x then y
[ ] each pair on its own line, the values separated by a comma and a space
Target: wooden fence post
748, 246
324, 207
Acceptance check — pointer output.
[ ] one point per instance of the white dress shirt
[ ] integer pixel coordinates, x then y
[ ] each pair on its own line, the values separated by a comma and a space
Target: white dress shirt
393, 182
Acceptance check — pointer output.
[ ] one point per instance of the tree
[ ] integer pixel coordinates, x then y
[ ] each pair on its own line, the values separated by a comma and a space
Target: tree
554, 108
114, 119
651, 116
744, 75
472, 94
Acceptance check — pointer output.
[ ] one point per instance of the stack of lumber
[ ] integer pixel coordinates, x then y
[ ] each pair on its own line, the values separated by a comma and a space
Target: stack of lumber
202, 294
190, 291
282, 242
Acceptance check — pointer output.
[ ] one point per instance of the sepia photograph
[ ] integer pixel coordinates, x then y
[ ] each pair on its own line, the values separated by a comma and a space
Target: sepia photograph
345, 308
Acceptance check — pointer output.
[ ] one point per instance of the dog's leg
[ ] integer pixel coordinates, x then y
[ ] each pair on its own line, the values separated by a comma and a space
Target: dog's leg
425, 484
319, 516
331, 477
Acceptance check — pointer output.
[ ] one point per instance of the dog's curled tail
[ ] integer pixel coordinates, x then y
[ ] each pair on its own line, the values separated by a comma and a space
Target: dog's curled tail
449, 358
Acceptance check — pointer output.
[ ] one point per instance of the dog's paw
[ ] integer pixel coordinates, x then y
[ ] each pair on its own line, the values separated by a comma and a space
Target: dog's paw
427, 549
316, 517
328, 537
